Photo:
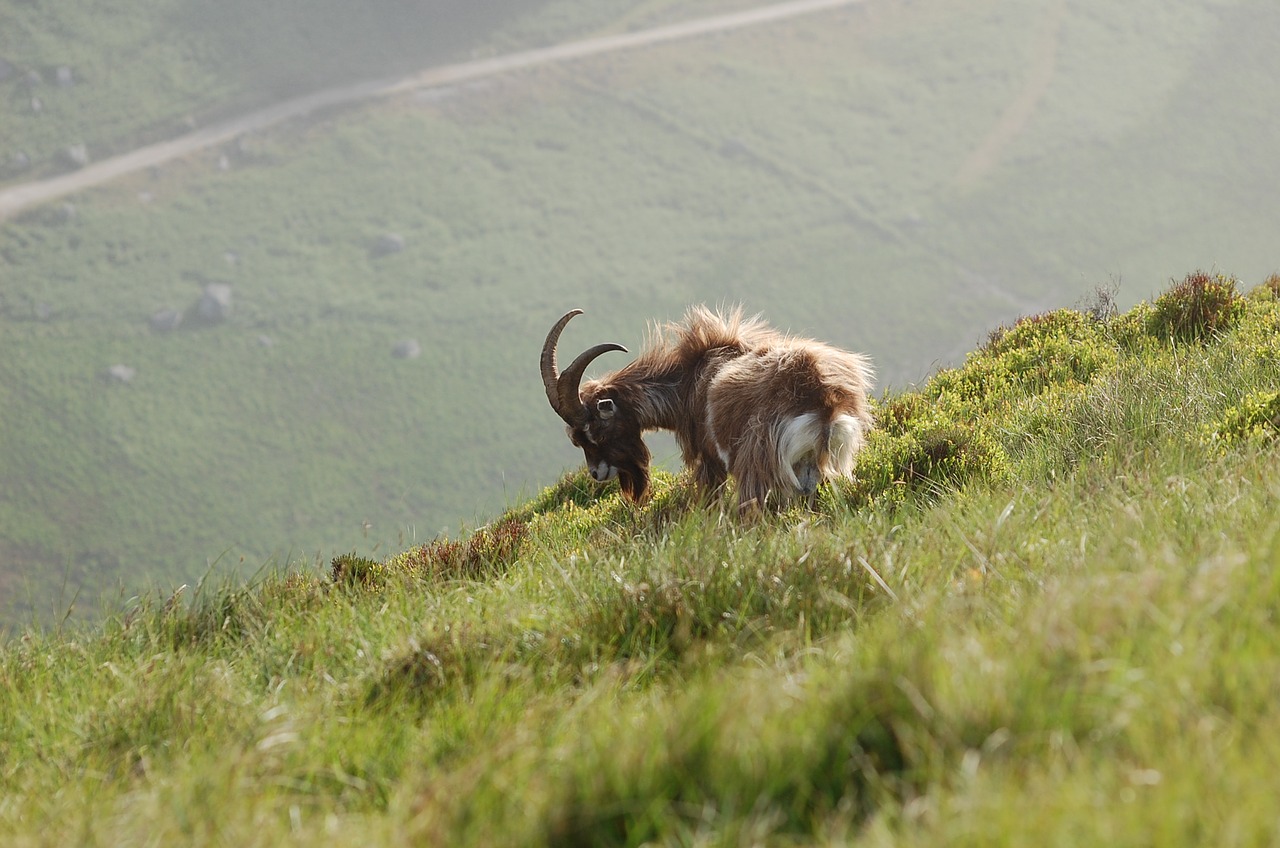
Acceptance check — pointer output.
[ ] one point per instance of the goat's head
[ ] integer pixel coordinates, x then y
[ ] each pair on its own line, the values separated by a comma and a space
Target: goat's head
597, 419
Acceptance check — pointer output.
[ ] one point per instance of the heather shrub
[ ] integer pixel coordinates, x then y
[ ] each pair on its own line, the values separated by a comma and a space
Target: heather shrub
936, 456
353, 570
1197, 309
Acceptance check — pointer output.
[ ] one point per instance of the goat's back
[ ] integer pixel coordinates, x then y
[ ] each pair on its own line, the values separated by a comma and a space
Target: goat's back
781, 381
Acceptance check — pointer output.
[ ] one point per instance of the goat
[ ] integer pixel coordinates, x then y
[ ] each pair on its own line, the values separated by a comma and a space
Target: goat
780, 414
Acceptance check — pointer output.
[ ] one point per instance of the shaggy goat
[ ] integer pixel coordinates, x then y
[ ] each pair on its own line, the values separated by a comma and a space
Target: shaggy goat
781, 414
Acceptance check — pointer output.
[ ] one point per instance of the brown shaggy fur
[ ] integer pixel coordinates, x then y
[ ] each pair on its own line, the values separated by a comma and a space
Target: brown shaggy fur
731, 390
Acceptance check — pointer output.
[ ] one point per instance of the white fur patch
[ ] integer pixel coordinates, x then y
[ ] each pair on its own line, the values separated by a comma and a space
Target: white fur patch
798, 450
711, 429
723, 454
602, 472
846, 440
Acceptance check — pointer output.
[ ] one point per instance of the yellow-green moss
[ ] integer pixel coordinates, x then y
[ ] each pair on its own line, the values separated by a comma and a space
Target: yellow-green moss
1255, 420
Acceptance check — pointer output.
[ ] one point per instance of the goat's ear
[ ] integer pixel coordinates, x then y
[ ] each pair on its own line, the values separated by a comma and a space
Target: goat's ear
605, 408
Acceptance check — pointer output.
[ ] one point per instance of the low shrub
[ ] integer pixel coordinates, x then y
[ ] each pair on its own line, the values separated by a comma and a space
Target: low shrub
1058, 348
353, 570
925, 462
1197, 309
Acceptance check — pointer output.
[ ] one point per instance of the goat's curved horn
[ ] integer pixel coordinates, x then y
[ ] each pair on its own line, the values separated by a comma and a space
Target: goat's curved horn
562, 389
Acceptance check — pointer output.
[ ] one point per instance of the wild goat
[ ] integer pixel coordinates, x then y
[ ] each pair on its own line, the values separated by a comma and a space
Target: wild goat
781, 414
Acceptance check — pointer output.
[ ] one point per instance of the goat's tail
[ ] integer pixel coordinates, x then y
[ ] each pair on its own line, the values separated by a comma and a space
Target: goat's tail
800, 453
811, 449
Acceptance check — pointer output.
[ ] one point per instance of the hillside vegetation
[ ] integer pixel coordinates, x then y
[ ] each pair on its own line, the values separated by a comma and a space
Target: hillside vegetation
1047, 611
810, 169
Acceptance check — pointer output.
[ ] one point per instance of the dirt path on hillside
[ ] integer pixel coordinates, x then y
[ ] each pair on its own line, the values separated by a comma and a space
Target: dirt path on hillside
17, 198
1015, 118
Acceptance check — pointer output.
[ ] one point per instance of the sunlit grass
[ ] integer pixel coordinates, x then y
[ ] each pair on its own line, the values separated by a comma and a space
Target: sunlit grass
1081, 651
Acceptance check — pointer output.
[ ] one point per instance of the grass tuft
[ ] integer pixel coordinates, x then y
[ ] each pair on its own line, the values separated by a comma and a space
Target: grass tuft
479, 555
354, 570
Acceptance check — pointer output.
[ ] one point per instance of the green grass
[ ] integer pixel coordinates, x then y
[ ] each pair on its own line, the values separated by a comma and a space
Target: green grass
806, 169
1070, 639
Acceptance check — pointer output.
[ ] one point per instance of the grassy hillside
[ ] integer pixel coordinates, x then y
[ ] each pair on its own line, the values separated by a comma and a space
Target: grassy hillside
124, 72
811, 170
1046, 611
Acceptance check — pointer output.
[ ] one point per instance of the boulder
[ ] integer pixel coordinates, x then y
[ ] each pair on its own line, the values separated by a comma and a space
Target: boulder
215, 303
406, 349
121, 374
386, 244
166, 320
76, 155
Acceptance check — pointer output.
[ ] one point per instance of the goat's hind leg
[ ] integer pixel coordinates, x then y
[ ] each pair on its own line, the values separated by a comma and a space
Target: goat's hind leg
753, 495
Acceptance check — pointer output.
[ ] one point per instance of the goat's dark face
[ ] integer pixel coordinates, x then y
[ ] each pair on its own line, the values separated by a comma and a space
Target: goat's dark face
612, 444
598, 420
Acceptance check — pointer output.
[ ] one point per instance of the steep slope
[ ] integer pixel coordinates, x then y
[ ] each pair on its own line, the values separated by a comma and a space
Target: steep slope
1049, 609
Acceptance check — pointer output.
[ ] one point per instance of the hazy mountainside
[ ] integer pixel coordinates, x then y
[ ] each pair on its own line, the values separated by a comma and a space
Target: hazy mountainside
122, 72
1047, 610
894, 178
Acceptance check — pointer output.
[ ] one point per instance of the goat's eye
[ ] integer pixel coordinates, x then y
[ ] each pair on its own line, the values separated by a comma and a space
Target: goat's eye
606, 408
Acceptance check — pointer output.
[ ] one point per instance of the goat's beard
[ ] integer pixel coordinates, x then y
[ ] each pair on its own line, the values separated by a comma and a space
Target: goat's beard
633, 479
633, 471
